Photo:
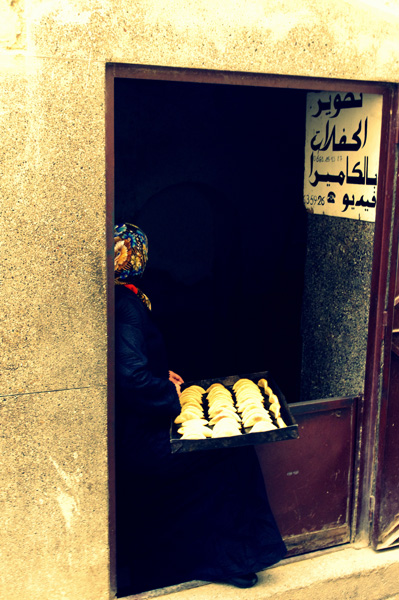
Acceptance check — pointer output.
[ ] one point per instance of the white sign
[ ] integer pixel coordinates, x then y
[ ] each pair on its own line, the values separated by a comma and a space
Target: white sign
342, 148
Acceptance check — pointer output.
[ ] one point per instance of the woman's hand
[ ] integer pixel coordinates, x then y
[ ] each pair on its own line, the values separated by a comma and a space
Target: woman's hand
177, 380
174, 378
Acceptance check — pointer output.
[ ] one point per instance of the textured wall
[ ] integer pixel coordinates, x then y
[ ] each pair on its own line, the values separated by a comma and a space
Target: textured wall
53, 536
53, 460
348, 38
336, 306
52, 252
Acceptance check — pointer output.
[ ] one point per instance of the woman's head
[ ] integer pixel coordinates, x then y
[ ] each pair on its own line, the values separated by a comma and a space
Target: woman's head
130, 252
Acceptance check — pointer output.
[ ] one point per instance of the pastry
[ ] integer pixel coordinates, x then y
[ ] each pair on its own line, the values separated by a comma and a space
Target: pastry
261, 426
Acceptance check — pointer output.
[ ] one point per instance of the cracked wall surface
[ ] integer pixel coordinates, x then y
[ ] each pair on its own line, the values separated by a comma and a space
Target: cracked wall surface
54, 517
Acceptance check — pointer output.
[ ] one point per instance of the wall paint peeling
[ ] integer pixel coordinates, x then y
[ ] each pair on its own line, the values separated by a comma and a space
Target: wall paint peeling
68, 503
68, 506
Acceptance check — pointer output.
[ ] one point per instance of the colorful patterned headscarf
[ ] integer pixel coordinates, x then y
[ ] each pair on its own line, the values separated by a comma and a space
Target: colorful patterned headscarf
130, 256
131, 252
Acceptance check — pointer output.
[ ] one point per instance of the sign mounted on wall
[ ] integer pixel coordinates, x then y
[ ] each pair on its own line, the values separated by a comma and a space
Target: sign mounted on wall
342, 148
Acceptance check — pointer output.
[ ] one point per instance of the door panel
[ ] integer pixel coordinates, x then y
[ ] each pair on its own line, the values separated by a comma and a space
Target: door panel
309, 480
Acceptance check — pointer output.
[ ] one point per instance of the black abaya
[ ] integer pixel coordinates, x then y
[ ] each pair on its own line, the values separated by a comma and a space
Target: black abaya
202, 515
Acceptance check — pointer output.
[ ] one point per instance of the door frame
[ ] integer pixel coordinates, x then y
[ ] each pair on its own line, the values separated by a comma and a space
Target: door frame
392, 270
369, 408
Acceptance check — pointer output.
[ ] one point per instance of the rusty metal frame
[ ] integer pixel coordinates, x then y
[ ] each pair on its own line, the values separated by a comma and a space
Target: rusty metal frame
369, 409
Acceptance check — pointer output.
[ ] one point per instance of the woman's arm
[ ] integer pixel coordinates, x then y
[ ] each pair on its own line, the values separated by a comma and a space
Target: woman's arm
147, 393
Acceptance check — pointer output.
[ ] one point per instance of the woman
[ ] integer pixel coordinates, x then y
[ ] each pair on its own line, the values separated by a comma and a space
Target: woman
202, 515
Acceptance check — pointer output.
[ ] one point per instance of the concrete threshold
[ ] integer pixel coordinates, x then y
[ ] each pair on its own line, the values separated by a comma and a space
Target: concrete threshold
345, 573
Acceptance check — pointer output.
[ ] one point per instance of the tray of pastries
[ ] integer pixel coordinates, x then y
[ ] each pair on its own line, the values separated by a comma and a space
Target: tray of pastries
239, 410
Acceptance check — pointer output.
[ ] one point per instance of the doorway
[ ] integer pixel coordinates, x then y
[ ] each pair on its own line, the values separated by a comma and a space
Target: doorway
213, 173
208, 172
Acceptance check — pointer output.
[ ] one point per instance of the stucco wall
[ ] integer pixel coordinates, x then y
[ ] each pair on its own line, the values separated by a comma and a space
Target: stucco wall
336, 304
54, 529
53, 533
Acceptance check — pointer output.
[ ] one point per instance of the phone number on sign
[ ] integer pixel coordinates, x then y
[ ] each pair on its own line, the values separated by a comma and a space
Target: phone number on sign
312, 200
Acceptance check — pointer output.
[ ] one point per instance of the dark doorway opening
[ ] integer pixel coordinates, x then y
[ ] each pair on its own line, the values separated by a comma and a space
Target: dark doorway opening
214, 176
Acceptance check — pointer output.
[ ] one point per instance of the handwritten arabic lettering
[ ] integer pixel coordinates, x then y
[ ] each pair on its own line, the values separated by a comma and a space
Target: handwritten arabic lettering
343, 135
349, 101
342, 145
366, 204
358, 177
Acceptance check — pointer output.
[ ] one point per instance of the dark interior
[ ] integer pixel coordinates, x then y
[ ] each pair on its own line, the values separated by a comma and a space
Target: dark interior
214, 175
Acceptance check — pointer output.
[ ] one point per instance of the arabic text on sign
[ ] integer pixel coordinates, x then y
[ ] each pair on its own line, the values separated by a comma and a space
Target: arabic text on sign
349, 101
355, 176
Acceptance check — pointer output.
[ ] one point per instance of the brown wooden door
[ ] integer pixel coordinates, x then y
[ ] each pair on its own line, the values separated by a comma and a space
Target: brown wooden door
385, 512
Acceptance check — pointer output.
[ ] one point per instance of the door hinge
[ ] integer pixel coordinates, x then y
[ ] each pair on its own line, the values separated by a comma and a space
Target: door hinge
384, 323
371, 507
396, 136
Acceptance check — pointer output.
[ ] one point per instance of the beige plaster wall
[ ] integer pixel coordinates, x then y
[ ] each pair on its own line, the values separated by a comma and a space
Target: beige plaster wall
53, 459
346, 38
53, 489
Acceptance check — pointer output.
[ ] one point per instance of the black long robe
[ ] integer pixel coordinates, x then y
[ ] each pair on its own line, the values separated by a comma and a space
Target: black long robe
202, 515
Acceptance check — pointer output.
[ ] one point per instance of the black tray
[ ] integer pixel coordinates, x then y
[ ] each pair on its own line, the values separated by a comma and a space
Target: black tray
246, 439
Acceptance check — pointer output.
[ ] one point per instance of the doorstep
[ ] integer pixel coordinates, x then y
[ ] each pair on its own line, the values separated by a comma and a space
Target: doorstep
344, 573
